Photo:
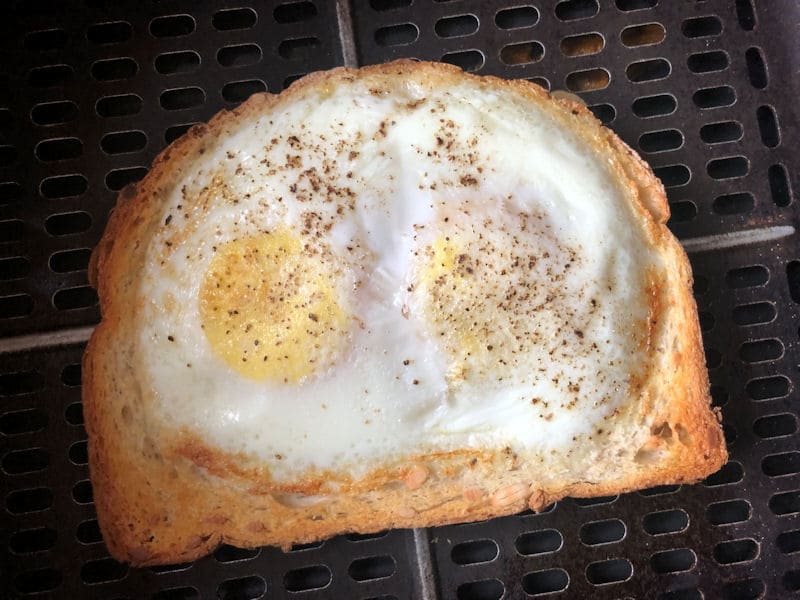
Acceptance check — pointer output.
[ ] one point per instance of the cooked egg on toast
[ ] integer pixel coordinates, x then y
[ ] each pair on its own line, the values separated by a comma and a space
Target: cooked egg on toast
398, 296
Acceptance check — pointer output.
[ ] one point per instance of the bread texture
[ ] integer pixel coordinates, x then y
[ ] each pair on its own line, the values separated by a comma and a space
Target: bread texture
165, 494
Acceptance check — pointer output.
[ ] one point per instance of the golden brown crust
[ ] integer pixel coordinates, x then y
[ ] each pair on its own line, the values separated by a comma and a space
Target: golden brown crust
171, 503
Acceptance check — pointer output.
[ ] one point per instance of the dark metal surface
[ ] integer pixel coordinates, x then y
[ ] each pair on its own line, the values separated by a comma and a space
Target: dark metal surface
705, 89
89, 96
656, 72
51, 543
741, 525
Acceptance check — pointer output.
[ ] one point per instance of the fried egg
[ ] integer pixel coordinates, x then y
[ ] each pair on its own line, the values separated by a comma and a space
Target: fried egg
365, 274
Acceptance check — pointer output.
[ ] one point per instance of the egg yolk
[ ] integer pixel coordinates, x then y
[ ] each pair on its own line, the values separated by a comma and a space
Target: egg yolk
269, 308
449, 282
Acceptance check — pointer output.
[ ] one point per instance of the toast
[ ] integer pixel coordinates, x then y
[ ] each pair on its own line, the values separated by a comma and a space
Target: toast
171, 483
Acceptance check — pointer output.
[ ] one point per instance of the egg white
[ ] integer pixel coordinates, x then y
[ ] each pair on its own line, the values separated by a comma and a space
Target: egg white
390, 392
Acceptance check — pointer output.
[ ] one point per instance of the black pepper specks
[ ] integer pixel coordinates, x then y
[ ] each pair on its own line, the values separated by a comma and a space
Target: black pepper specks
507, 307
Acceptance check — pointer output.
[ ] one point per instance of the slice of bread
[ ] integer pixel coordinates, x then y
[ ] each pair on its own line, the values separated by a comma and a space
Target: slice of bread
171, 482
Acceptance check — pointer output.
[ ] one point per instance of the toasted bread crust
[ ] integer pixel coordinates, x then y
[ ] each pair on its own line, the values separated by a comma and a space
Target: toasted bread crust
174, 503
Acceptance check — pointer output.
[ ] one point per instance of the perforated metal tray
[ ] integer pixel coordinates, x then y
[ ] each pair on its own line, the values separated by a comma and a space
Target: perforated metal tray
90, 92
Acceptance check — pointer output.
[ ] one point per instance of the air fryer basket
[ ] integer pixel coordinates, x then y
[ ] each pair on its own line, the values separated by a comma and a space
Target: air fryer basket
91, 91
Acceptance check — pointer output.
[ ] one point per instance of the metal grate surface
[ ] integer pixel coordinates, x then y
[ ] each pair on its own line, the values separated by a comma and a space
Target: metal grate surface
53, 543
90, 92
90, 95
